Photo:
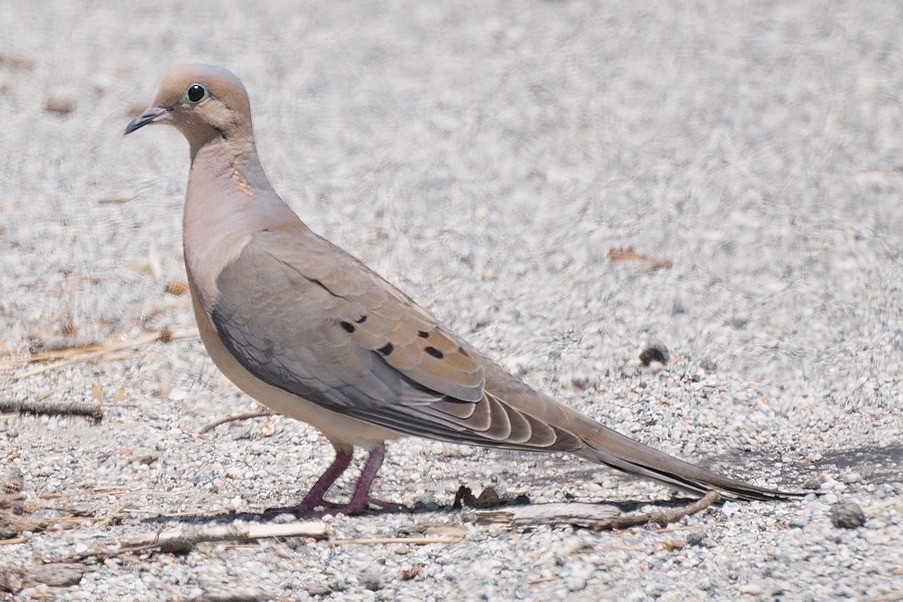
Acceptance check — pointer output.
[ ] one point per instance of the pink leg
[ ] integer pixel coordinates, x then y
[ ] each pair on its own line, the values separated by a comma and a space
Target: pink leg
315, 497
360, 499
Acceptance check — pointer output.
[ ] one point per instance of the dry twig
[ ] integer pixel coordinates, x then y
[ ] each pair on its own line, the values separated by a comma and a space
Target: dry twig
670, 516
630, 254
213, 425
73, 355
184, 540
53, 408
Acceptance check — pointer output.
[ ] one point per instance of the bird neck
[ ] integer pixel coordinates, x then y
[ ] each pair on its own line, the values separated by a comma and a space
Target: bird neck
228, 198
232, 160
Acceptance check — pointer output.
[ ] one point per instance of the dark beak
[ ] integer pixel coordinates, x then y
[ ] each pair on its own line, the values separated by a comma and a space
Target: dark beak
149, 116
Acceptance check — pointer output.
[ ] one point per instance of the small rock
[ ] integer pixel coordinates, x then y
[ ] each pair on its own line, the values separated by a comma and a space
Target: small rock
730, 508
699, 538
318, 588
812, 484
427, 501
709, 365
283, 519
240, 432
59, 105
410, 573
847, 515
339, 583
750, 589
575, 577
176, 289
12, 481
372, 579
738, 323
656, 352
582, 380
55, 574
489, 498
796, 522
178, 395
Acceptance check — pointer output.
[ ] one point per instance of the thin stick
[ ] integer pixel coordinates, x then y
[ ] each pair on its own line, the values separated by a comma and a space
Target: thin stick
668, 517
14, 540
53, 408
213, 425
184, 540
82, 354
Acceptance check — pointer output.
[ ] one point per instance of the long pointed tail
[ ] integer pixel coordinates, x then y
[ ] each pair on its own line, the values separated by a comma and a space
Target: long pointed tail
609, 447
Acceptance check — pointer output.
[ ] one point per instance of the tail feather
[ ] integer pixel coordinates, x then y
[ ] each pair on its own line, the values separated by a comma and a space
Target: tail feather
611, 448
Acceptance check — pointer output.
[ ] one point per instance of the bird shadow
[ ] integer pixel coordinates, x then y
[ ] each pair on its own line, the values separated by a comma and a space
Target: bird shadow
417, 510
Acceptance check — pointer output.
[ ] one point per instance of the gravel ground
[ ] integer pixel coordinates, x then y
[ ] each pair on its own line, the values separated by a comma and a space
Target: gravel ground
487, 157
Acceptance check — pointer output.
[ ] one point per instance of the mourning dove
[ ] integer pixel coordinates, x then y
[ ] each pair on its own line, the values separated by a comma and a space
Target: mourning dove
311, 332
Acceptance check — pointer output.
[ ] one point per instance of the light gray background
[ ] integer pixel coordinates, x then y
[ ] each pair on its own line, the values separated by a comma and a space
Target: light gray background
485, 156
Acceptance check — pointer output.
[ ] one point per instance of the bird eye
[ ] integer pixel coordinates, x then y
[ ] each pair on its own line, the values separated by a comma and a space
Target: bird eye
196, 93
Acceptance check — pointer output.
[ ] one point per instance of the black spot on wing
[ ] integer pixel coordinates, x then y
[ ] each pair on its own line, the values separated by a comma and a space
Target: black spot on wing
347, 326
434, 352
386, 349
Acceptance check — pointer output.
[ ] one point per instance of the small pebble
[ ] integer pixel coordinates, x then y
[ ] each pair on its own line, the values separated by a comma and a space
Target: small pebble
796, 523
240, 432
699, 538
750, 589
372, 578
12, 481
575, 577
283, 519
847, 515
59, 105
318, 588
427, 501
56, 574
656, 352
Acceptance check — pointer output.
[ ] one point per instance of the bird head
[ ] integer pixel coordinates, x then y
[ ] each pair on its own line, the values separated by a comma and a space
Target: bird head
204, 102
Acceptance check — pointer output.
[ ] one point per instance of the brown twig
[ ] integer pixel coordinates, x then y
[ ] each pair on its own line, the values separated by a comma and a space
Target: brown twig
73, 355
14, 540
667, 517
630, 254
248, 416
184, 540
53, 408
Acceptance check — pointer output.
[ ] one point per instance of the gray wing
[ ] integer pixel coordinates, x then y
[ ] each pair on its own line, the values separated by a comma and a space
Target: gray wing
302, 315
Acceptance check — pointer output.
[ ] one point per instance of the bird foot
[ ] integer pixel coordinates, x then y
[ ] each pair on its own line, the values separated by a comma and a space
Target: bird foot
387, 506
